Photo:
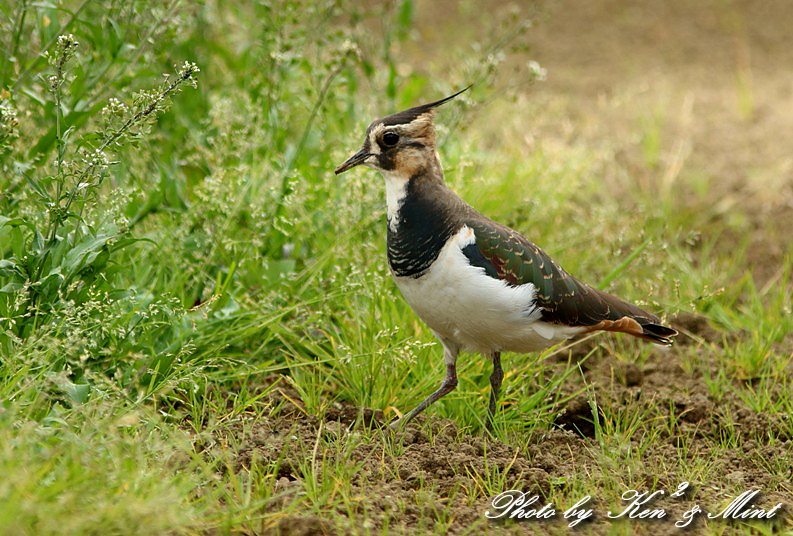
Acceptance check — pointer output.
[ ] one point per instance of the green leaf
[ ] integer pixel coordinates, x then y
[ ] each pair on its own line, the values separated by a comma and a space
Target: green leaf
391, 85
9, 268
16, 222
10, 288
49, 285
84, 253
37, 187
35, 96
404, 18
77, 392
68, 134
124, 242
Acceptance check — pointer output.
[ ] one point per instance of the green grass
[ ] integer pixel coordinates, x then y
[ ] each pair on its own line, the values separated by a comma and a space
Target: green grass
190, 299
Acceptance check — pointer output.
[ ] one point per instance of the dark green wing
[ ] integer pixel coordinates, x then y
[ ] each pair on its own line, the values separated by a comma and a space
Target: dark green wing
507, 255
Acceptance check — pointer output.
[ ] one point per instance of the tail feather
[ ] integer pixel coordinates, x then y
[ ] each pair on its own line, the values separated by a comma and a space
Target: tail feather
638, 327
658, 334
628, 318
594, 309
621, 316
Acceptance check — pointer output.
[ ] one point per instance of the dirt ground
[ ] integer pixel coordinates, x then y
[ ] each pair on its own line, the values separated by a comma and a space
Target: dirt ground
451, 460
711, 73
724, 77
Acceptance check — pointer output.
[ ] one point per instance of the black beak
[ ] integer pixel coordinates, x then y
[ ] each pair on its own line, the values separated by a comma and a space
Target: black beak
355, 160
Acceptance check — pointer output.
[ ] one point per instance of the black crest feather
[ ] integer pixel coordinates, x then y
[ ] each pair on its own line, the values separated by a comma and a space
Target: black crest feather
411, 114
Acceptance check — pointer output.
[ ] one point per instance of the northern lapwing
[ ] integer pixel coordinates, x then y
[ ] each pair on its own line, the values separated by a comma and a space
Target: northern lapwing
479, 285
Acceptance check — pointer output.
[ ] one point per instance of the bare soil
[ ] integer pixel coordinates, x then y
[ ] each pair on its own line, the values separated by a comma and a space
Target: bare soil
416, 475
710, 75
427, 472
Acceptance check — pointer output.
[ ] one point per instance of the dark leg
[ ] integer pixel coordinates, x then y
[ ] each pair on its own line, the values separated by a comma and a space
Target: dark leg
449, 383
495, 387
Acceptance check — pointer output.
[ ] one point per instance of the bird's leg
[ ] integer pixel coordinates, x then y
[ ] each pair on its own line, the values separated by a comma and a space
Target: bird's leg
450, 352
495, 386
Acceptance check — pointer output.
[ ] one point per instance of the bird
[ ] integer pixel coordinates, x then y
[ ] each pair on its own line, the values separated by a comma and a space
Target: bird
478, 285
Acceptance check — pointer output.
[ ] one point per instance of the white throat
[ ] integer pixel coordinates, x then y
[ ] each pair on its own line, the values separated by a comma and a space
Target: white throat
396, 186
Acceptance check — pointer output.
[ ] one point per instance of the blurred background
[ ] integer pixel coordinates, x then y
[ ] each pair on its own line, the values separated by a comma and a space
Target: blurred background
690, 96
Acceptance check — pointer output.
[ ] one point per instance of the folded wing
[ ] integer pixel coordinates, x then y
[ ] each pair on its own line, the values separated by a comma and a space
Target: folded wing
507, 255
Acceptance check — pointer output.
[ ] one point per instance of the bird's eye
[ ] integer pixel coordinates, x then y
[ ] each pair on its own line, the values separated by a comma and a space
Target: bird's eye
390, 138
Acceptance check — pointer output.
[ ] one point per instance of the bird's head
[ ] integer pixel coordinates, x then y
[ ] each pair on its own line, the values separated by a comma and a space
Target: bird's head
401, 143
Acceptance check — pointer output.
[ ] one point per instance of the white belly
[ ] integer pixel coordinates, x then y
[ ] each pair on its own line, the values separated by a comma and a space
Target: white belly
461, 302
